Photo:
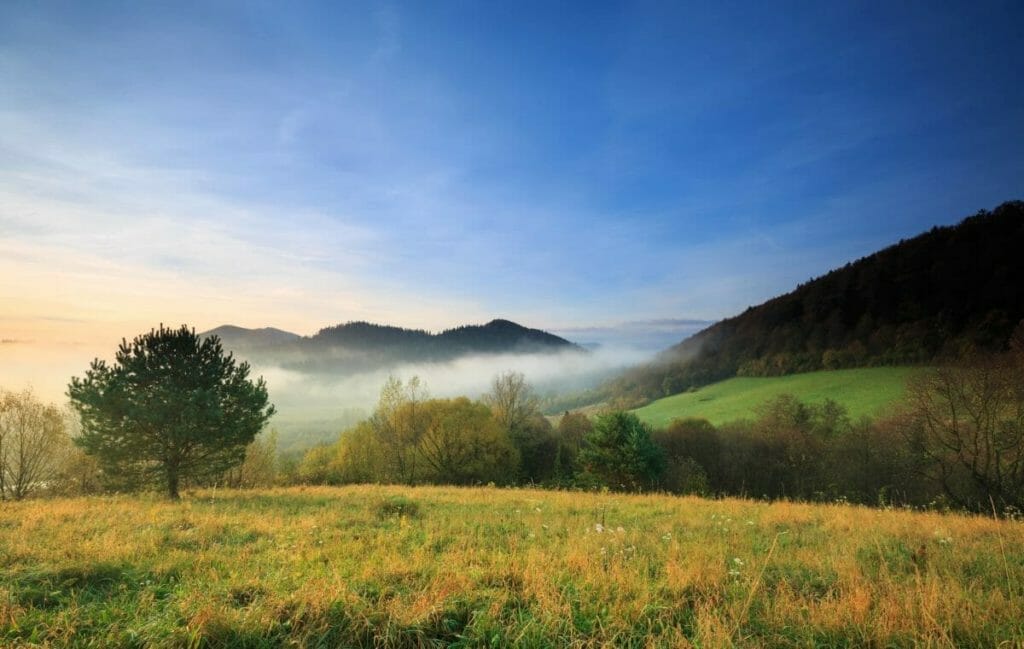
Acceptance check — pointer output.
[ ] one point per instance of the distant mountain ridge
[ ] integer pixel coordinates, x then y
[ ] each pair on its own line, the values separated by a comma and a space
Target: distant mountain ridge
942, 294
359, 346
231, 336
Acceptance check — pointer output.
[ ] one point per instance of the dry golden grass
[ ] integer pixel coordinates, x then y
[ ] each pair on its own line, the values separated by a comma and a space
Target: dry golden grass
492, 567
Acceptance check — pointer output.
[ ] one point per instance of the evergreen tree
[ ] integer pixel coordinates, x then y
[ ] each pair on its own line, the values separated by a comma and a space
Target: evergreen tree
620, 453
172, 407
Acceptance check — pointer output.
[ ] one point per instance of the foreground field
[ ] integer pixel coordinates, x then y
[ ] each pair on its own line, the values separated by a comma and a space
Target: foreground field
863, 391
395, 567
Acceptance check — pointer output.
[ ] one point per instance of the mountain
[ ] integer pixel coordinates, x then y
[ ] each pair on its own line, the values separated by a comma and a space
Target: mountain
239, 337
943, 294
360, 346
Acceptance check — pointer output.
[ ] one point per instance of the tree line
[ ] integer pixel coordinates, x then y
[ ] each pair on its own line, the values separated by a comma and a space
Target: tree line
174, 411
955, 441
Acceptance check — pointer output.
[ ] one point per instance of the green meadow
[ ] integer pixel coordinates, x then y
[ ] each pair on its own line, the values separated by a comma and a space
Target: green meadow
370, 566
863, 391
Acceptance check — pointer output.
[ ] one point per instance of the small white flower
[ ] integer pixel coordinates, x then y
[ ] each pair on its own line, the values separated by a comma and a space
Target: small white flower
598, 528
667, 536
620, 530
737, 561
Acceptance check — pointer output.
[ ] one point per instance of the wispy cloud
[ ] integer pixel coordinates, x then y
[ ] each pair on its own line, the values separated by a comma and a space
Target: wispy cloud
229, 163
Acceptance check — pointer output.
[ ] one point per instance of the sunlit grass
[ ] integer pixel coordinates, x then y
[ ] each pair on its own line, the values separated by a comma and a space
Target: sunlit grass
863, 391
346, 567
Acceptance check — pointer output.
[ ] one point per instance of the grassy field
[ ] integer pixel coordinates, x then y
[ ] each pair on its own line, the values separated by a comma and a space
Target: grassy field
865, 391
415, 567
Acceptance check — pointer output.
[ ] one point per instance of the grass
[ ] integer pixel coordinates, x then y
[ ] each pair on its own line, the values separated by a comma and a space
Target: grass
864, 392
342, 567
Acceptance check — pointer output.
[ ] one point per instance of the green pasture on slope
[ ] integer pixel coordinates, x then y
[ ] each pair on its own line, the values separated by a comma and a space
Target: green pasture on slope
863, 391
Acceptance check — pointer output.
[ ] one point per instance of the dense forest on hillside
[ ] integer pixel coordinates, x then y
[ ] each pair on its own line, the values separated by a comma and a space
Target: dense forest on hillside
943, 294
361, 346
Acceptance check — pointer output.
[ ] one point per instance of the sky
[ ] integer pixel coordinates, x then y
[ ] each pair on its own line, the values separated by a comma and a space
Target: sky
590, 168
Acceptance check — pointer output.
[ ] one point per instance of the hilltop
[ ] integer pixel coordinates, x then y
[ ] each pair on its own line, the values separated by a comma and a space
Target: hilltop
233, 336
940, 295
361, 346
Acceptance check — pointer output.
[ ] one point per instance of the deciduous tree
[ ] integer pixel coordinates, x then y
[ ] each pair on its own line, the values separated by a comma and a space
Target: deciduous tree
33, 444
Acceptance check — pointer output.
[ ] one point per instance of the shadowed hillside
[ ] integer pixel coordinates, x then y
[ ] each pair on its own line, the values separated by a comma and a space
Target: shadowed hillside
942, 294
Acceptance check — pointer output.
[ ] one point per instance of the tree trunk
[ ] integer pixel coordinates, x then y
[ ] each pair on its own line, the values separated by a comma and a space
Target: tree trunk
172, 483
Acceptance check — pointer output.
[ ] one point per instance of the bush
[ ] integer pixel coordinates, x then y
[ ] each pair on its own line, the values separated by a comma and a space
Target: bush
398, 506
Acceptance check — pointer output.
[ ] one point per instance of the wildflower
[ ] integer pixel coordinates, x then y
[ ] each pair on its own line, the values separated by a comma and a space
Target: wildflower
667, 536
737, 561
598, 528
620, 530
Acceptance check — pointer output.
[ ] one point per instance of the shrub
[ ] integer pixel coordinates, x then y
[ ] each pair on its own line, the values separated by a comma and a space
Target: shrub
398, 506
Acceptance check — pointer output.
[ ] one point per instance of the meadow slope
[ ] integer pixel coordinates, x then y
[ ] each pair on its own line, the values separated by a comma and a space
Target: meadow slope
335, 567
864, 392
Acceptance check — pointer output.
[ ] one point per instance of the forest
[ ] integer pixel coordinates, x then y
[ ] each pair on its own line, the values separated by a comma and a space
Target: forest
939, 296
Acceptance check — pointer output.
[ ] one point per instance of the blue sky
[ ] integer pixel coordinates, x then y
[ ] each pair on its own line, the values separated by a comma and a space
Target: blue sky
577, 167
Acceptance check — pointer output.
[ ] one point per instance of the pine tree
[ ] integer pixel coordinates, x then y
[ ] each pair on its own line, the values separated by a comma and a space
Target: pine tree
173, 407
620, 453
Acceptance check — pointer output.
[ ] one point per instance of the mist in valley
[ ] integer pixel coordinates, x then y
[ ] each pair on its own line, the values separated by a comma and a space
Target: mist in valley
315, 407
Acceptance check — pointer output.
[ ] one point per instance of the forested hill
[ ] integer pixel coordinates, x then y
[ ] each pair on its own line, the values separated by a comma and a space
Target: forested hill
942, 294
359, 346
495, 336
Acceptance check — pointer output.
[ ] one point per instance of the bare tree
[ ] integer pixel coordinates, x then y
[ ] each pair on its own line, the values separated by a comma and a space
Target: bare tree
33, 443
513, 401
966, 423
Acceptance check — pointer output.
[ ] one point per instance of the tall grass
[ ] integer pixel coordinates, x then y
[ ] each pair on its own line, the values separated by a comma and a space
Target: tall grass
324, 567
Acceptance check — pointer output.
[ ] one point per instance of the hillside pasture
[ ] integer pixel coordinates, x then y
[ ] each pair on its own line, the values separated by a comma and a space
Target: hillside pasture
863, 391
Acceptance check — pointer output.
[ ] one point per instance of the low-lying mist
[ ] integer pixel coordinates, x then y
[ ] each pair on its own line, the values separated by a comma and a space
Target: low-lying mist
314, 406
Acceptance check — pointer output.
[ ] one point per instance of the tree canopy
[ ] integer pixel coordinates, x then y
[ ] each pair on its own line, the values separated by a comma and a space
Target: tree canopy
620, 453
172, 407
941, 296
33, 444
